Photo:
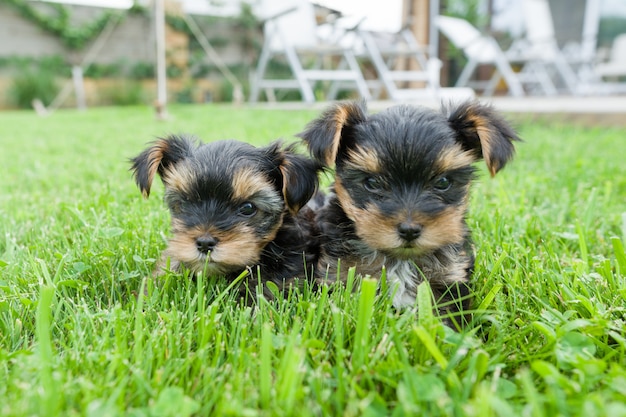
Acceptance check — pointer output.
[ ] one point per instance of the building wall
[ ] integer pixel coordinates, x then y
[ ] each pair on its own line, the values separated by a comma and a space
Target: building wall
132, 39
20, 37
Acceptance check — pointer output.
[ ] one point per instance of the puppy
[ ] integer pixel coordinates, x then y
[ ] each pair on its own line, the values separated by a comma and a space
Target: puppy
233, 207
400, 193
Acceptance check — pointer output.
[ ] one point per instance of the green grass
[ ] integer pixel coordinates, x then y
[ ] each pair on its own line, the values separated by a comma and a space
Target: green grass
77, 241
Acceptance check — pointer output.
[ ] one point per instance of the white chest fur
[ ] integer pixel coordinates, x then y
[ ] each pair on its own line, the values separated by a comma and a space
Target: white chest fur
402, 280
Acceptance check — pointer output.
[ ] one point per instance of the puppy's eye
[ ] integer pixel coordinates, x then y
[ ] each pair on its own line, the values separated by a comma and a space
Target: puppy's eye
442, 184
372, 184
247, 209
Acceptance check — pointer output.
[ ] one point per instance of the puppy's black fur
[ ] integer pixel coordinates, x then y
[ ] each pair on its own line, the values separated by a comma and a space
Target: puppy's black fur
234, 207
400, 195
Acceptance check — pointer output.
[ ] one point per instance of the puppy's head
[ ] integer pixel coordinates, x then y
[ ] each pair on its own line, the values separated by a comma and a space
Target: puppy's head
403, 175
227, 199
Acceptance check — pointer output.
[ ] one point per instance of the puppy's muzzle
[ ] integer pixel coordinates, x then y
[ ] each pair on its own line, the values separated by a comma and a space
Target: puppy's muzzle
409, 231
206, 244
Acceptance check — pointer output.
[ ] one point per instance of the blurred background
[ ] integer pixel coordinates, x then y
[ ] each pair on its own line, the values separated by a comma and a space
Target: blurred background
81, 53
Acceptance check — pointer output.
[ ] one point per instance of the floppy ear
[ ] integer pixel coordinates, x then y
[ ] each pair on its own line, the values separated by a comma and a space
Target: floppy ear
481, 130
161, 154
296, 176
300, 180
324, 135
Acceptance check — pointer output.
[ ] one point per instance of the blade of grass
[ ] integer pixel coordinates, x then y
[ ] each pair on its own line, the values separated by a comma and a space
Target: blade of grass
290, 373
50, 396
265, 368
532, 396
620, 255
425, 314
364, 317
582, 243
339, 343
431, 346
138, 337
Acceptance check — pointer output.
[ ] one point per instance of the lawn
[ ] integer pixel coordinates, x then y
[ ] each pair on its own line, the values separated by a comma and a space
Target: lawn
77, 240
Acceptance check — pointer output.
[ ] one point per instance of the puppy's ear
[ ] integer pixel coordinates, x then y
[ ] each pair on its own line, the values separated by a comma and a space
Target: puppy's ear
297, 175
161, 154
324, 135
300, 180
481, 130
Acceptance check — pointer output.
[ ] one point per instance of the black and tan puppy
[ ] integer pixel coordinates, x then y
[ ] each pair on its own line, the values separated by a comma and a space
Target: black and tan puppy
400, 193
233, 207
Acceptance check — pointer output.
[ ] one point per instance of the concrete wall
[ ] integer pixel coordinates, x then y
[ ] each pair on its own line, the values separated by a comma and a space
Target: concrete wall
132, 39
20, 37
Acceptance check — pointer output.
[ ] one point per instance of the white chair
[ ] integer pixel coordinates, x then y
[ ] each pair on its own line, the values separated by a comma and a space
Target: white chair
608, 73
479, 49
582, 54
403, 68
616, 65
401, 63
290, 33
539, 53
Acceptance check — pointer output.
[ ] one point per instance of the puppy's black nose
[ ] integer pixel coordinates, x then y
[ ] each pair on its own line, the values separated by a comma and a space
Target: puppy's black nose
409, 232
205, 244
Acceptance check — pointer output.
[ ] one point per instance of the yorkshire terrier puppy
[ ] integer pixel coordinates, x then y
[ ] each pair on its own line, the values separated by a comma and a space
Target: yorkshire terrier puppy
233, 207
400, 193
